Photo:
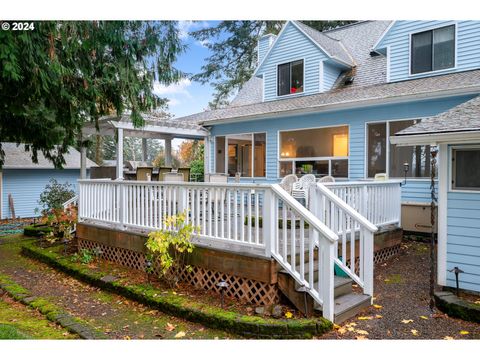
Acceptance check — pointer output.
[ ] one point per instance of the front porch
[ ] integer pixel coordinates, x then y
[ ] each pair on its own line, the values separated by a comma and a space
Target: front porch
257, 223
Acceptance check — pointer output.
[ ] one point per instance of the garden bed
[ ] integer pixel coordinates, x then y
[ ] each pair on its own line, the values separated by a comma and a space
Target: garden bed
179, 303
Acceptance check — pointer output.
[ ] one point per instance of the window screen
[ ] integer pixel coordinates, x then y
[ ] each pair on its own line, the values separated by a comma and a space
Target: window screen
290, 78
284, 79
377, 149
466, 163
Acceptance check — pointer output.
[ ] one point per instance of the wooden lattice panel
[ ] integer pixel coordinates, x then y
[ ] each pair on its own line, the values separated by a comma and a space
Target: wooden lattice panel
385, 254
247, 290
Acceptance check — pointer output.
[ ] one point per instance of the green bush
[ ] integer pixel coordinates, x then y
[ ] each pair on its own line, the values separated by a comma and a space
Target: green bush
55, 194
36, 230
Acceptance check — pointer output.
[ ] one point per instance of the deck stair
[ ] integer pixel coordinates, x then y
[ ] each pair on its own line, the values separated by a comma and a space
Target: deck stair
347, 302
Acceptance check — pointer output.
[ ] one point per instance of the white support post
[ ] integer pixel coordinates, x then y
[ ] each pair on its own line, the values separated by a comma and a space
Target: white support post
119, 153
270, 222
206, 156
83, 161
168, 152
144, 150
121, 209
326, 259
443, 165
368, 261
182, 199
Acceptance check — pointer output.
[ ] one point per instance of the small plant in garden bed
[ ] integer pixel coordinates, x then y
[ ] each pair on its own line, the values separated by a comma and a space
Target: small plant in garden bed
168, 248
62, 222
85, 256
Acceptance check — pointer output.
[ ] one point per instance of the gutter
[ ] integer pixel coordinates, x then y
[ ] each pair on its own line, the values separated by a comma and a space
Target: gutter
345, 105
459, 137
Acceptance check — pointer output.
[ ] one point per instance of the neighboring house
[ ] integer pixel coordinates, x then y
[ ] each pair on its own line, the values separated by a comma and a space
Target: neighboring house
327, 102
456, 132
25, 180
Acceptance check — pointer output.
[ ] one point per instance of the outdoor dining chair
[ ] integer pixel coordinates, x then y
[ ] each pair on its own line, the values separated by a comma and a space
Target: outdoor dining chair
301, 188
173, 176
326, 179
287, 183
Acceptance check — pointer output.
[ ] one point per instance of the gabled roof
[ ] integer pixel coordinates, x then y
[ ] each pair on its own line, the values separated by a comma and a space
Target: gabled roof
463, 117
17, 158
380, 39
331, 47
467, 82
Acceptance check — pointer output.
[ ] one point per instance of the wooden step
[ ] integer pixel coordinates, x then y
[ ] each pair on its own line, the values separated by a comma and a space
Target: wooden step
342, 286
349, 305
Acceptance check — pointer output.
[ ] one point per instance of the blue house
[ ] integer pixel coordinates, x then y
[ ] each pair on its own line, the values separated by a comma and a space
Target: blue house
24, 181
328, 103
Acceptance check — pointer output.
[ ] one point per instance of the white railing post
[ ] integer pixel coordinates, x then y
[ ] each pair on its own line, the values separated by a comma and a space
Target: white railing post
182, 199
269, 222
326, 276
121, 204
368, 261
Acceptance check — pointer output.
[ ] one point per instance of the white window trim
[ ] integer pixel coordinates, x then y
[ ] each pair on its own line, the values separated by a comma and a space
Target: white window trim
388, 148
452, 171
276, 79
329, 158
433, 72
253, 153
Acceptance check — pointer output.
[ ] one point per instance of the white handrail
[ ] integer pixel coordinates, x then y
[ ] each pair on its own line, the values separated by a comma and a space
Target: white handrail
73, 200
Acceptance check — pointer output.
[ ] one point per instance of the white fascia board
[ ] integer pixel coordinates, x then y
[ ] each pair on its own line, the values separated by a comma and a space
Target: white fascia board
385, 32
460, 137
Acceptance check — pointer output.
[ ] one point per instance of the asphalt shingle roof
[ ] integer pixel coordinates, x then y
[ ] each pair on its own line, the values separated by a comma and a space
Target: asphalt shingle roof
464, 117
346, 95
17, 158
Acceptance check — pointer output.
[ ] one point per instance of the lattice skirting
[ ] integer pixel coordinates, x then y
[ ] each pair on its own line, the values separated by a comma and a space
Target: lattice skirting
379, 256
247, 290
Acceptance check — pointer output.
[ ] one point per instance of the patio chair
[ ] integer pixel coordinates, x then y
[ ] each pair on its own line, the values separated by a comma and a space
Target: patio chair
186, 173
144, 173
287, 183
217, 178
326, 179
381, 177
301, 188
172, 176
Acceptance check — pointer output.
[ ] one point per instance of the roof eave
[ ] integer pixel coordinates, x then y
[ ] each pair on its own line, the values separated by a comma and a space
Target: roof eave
450, 137
348, 105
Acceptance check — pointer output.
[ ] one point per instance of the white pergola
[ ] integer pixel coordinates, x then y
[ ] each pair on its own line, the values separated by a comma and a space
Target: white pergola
155, 127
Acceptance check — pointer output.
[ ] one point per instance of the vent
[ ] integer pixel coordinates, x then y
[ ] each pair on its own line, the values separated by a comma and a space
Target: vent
348, 80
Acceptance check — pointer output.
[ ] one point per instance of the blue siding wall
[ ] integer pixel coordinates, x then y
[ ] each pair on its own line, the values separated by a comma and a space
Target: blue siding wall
263, 45
398, 38
415, 191
330, 75
26, 186
463, 239
290, 46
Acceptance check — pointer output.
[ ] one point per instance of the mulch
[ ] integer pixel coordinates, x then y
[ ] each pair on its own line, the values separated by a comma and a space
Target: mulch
401, 304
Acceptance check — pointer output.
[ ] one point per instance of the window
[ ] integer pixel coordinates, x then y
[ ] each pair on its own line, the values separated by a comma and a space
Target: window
321, 151
379, 150
465, 164
433, 50
290, 78
243, 153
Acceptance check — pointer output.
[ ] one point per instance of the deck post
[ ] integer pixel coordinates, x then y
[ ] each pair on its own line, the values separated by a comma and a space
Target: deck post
269, 220
119, 153
368, 261
326, 263
121, 209
168, 151
83, 161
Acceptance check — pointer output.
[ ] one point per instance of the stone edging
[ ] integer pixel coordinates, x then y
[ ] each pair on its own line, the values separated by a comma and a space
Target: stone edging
248, 326
51, 311
454, 306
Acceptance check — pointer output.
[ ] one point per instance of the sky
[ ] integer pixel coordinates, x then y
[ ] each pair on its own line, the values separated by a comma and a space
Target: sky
188, 97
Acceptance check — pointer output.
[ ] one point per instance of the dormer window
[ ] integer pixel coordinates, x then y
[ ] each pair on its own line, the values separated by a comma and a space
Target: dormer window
433, 50
290, 78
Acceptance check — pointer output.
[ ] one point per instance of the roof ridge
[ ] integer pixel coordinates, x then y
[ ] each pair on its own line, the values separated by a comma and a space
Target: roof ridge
359, 22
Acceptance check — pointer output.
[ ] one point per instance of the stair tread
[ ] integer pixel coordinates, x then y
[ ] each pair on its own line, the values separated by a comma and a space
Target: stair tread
337, 281
348, 301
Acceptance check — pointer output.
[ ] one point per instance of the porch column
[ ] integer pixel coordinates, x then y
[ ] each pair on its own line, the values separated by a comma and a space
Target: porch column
442, 166
144, 149
168, 151
83, 161
206, 156
119, 153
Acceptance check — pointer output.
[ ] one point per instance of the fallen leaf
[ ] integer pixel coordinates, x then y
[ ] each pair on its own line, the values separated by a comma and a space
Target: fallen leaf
360, 338
464, 332
288, 315
103, 314
336, 326
414, 332
349, 328
378, 316
342, 331
376, 306
126, 338
448, 338
365, 318
361, 332
407, 321
180, 334
423, 317
477, 302
169, 327
65, 333
352, 324
201, 329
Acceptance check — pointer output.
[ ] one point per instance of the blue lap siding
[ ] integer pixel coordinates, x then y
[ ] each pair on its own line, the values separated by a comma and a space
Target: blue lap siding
27, 185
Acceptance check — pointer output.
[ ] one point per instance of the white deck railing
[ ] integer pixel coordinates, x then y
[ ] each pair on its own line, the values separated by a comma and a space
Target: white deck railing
353, 253
378, 201
253, 218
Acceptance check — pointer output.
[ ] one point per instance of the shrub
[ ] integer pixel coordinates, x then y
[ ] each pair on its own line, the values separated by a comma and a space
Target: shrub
55, 194
62, 222
168, 248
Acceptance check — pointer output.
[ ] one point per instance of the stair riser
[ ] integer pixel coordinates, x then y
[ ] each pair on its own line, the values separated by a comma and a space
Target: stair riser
351, 312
